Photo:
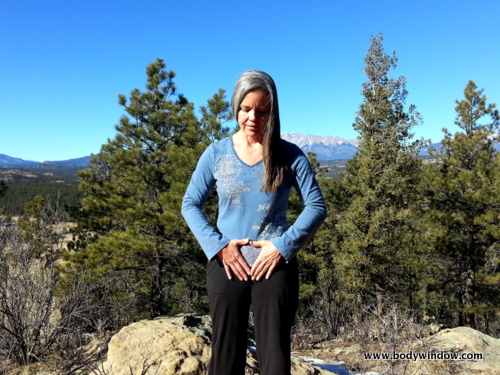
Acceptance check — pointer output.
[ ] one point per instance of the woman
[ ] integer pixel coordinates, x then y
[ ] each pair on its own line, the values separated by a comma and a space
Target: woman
252, 250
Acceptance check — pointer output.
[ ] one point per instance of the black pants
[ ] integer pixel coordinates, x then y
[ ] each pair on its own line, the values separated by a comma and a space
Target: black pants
274, 304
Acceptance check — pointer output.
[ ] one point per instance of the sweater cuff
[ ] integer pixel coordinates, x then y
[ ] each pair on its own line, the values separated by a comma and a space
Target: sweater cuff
287, 253
211, 253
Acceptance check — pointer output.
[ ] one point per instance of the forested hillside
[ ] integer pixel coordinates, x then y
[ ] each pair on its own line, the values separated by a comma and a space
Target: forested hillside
406, 237
55, 184
60, 184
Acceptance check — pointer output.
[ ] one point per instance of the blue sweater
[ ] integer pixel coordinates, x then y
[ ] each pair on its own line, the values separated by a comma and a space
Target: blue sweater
244, 210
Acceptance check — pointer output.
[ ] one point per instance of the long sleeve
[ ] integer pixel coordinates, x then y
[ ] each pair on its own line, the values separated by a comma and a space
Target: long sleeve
245, 211
202, 182
312, 216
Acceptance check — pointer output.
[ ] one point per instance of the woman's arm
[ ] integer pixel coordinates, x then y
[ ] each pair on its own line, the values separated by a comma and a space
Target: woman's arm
311, 217
202, 182
212, 241
289, 243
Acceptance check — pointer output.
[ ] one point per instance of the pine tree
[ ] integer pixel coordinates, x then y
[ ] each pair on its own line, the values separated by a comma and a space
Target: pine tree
3, 188
129, 226
379, 257
465, 202
215, 114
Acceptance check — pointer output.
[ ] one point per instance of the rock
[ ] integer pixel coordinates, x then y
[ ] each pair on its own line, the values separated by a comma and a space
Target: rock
177, 345
435, 328
456, 341
460, 340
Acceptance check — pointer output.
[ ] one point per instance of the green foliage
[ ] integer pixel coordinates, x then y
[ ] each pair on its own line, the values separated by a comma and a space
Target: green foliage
129, 222
465, 198
3, 188
379, 257
422, 236
130, 216
24, 185
214, 116
318, 170
323, 301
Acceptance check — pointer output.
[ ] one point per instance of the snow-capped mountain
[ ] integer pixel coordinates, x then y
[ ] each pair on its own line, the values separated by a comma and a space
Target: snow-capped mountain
327, 147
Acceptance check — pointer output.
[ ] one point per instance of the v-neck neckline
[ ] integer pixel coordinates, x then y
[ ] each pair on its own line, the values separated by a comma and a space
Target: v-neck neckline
240, 159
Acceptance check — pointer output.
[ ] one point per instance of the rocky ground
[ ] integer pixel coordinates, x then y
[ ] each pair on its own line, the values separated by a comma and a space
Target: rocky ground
445, 343
181, 345
171, 345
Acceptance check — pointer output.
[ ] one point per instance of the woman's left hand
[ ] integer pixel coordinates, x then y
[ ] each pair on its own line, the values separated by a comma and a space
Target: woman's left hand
266, 262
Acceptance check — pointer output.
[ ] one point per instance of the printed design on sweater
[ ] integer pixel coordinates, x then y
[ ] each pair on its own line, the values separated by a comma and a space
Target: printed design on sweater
227, 171
273, 225
273, 222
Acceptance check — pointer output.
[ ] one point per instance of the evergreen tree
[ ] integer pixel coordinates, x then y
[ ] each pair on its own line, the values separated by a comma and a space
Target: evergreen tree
379, 255
3, 188
318, 170
465, 199
215, 114
130, 222
324, 304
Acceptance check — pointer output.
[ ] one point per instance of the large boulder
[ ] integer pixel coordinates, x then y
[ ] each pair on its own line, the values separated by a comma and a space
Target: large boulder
177, 345
461, 342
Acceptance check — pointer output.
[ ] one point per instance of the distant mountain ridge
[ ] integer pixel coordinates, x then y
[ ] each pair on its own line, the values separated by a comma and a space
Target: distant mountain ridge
325, 147
329, 147
7, 161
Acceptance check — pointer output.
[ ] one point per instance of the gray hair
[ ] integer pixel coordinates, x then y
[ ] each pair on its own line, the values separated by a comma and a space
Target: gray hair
255, 80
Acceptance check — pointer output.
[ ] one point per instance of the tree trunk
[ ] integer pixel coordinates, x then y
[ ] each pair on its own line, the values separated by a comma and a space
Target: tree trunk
157, 287
467, 316
380, 302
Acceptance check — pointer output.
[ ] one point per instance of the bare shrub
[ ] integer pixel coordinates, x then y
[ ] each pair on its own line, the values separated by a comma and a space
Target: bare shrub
329, 310
394, 331
34, 319
303, 336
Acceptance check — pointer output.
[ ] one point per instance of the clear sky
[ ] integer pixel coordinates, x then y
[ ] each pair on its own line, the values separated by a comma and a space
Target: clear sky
64, 62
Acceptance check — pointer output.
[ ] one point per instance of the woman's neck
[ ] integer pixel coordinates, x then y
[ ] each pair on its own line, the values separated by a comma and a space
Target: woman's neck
249, 149
249, 141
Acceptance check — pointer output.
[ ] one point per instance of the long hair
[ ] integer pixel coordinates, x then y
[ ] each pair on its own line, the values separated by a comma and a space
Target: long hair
274, 166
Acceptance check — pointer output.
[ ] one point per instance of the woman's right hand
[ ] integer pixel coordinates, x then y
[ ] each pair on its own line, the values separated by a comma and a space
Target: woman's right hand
233, 260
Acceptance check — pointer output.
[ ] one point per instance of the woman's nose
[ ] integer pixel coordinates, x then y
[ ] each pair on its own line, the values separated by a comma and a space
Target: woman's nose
251, 115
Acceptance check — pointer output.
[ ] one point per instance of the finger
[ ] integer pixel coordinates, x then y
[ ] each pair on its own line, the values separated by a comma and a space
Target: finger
246, 267
260, 271
241, 263
244, 241
260, 274
239, 271
257, 266
261, 265
270, 271
228, 271
256, 243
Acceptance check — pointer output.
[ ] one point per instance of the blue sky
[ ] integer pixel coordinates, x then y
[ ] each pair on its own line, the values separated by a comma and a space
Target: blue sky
63, 63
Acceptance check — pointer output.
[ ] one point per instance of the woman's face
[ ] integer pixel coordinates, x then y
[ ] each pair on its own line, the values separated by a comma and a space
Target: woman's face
253, 113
